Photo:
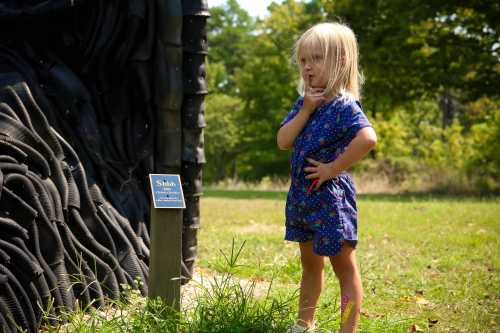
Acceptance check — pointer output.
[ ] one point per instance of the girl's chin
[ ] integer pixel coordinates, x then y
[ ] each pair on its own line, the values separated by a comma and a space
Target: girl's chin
318, 87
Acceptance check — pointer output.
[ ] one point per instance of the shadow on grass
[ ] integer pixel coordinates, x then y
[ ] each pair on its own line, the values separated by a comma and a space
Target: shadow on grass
244, 194
396, 197
423, 196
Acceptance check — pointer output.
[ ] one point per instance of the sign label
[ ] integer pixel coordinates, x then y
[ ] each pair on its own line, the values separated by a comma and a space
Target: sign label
167, 191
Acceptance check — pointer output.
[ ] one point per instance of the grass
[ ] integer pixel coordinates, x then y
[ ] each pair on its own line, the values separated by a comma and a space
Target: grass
226, 305
223, 304
429, 261
132, 313
429, 264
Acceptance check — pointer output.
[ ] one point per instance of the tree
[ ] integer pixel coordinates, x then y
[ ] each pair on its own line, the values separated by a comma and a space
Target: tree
222, 139
230, 31
230, 35
412, 53
267, 84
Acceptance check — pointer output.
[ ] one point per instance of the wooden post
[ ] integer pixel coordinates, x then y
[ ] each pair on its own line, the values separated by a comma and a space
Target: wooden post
165, 255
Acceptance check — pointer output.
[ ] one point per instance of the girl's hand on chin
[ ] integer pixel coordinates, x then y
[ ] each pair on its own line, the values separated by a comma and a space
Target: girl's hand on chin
313, 99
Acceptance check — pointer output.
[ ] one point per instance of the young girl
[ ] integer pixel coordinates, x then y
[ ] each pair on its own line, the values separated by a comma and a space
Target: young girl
329, 133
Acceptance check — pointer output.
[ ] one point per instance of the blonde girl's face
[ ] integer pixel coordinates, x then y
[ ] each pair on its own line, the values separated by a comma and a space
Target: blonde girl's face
314, 71
327, 57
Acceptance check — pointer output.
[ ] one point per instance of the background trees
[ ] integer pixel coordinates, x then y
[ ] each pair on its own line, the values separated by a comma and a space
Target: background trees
431, 90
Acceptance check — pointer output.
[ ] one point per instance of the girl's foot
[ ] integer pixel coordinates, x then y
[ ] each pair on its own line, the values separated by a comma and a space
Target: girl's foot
300, 329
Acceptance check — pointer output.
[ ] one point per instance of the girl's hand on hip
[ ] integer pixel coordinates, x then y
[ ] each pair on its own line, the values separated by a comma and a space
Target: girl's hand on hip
321, 171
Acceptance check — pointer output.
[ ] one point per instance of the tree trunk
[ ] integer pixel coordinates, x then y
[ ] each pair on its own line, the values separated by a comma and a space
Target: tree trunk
448, 105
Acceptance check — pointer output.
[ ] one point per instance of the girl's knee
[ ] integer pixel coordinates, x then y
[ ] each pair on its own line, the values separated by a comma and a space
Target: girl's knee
348, 277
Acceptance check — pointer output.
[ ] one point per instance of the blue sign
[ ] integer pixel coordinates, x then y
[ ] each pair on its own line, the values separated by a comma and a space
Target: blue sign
167, 191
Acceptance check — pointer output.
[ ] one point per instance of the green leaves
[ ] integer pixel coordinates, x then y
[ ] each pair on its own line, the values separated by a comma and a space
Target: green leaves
430, 61
223, 136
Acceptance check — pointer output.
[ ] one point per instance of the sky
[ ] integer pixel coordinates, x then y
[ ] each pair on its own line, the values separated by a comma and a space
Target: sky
253, 7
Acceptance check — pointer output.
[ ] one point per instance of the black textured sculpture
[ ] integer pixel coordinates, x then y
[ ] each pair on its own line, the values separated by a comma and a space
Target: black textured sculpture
94, 96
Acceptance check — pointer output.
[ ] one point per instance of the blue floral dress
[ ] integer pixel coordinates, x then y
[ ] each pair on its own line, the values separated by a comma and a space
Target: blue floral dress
326, 216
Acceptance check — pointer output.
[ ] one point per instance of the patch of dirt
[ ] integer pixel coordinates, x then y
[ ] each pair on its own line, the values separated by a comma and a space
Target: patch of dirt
204, 280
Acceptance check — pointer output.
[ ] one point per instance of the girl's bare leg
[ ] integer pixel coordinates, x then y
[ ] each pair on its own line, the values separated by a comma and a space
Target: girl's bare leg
346, 269
311, 284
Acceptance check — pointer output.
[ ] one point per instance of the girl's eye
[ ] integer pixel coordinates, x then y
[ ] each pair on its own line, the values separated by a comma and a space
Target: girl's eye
317, 58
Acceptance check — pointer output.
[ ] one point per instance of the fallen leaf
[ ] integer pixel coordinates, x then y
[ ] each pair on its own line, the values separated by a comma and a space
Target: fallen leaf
386, 239
418, 298
432, 272
416, 328
432, 322
422, 301
372, 314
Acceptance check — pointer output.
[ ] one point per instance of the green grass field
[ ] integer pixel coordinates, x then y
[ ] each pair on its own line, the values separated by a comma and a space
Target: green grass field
426, 261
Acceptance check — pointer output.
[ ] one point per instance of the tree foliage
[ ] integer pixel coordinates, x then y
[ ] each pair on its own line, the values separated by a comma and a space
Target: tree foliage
230, 35
431, 72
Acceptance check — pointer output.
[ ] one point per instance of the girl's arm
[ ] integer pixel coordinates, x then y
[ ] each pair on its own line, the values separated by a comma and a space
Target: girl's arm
288, 132
364, 141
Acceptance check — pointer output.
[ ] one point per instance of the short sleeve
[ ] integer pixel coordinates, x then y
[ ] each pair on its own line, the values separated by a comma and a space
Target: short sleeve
359, 119
295, 109
353, 119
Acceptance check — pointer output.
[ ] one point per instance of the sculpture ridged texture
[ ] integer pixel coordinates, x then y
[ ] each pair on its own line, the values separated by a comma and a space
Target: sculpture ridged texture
94, 96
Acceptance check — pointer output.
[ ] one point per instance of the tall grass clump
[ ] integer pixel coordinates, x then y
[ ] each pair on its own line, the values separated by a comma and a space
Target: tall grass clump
227, 305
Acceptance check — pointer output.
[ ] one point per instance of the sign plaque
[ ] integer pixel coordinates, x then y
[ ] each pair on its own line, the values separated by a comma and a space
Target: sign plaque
167, 191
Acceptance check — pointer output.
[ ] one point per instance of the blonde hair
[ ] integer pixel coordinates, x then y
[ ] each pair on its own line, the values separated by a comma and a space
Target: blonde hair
339, 48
